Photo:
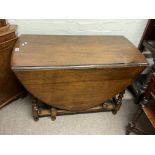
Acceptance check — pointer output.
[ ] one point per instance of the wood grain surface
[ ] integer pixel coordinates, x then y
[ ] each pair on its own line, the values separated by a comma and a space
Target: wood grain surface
76, 72
64, 51
77, 89
7, 29
8, 44
10, 88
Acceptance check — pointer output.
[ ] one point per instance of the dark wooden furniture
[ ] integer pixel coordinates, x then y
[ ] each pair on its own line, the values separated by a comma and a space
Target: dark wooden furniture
74, 74
146, 106
149, 34
10, 88
147, 43
3, 23
7, 33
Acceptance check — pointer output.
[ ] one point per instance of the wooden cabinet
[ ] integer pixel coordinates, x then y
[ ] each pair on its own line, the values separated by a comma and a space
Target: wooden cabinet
10, 88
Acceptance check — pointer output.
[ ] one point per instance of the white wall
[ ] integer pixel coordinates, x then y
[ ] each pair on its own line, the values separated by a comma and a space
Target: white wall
130, 28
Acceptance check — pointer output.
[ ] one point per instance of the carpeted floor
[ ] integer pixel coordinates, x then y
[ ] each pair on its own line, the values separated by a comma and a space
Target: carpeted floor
16, 118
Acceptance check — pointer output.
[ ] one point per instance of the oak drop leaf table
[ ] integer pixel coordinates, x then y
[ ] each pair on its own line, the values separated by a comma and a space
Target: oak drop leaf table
76, 74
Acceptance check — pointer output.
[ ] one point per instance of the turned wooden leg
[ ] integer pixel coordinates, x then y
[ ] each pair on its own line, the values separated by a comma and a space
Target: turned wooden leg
132, 125
35, 109
53, 113
118, 102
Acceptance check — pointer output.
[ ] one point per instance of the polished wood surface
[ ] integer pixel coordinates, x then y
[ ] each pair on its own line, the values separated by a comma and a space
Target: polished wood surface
76, 72
7, 29
8, 44
10, 88
77, 89
7, 33
4, 28
64, 51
